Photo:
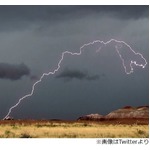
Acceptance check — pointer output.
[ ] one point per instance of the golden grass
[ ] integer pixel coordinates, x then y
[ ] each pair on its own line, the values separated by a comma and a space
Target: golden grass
73, 130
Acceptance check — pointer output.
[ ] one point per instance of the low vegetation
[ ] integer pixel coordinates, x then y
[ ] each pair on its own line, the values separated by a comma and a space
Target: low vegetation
73, 130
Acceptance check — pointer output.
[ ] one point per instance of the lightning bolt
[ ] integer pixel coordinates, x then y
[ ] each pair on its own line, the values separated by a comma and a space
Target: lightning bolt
77, 54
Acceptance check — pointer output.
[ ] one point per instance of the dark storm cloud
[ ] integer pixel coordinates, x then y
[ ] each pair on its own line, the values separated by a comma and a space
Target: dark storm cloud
122, 12
77, 74
21, 16
13, 72
55, 12
34, 77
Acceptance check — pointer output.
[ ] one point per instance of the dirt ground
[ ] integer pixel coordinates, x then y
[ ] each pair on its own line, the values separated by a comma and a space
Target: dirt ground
106, 121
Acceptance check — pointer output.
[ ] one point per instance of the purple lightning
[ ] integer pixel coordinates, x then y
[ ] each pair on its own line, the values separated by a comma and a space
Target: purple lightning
132, 62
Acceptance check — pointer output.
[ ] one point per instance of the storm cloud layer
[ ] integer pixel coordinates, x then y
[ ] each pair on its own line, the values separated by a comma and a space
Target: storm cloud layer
13, 72
55, 12
38, 35
17, 17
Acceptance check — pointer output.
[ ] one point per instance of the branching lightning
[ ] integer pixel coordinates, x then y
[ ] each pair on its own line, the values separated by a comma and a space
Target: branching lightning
133, 62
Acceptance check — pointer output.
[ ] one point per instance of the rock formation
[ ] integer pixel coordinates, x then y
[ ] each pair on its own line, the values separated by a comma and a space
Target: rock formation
129, 112
126, 112
94, 117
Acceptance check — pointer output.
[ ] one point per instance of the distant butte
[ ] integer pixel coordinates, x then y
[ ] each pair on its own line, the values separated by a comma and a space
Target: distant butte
141, 112
127, 112
94, 117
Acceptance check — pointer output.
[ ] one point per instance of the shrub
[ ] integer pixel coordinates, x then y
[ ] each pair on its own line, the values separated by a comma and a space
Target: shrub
25, 135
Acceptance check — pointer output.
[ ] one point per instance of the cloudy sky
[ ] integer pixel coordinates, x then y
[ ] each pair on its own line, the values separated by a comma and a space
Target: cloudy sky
32, 39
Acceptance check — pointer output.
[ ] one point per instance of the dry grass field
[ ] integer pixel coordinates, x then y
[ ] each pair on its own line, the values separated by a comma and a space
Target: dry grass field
60, 129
